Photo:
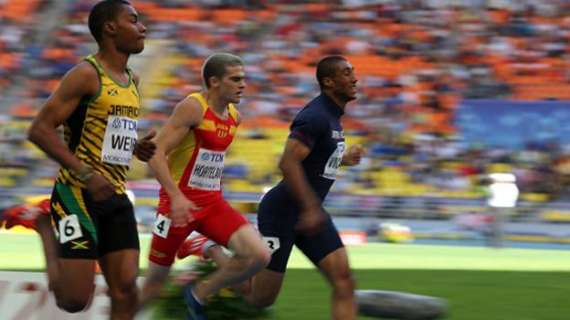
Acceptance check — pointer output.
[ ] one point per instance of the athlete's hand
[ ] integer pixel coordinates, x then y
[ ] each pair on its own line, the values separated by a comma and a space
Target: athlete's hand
144, 148
99, 187
180, 210
310, 220
353, 155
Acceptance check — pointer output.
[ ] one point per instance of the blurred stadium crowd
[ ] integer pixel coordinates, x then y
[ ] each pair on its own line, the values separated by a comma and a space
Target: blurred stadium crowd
416, 62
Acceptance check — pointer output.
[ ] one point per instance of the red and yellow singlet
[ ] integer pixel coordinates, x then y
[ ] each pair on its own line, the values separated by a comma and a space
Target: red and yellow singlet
197, 163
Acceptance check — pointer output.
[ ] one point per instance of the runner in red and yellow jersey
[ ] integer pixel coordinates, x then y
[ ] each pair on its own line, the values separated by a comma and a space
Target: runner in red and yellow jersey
188, 163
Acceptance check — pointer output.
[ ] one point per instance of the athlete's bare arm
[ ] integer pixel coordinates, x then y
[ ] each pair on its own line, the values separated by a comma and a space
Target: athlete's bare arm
311, 216
186, 115
81, 81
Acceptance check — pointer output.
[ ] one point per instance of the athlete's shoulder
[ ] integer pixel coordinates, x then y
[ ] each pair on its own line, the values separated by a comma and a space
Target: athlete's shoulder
188, 112
195, 102
310, 120
81, 79
308, 113
197, 99
84, 69
234, 113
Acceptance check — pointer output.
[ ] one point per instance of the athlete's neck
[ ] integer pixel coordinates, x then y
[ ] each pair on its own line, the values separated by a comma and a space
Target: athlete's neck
339, 102
113, 61
218, 105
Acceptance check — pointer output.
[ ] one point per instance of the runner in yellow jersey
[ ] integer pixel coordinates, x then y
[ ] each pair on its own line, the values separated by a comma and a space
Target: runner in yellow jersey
98, 104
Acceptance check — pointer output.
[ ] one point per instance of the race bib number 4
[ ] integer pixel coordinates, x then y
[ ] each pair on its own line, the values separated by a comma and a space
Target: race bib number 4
331, 168
120, 139
161, 226
207, 171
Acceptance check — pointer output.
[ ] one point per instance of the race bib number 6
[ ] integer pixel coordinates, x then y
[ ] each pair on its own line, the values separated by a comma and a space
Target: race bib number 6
69, 229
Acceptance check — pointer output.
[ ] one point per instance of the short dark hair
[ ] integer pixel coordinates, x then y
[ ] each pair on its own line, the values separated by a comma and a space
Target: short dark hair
215, 66
102, 12
327, 67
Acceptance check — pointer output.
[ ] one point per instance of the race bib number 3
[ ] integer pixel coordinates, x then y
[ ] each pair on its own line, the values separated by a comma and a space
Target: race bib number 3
120, 139
69, 229
272, 243
207, 171
334, 161
161, 226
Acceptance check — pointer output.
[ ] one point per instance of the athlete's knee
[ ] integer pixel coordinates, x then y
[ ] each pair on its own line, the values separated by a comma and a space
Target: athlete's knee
124, 291
73, 305
259, 259
153, 285
151, 289
343, 284
74, 301
263, 300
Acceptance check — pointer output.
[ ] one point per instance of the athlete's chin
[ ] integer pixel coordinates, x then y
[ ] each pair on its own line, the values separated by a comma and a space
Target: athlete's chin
350, 97
138, 49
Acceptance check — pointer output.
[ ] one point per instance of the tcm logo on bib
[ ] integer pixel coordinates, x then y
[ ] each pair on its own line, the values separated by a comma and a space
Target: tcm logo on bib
207, 171
120, 139
334, 161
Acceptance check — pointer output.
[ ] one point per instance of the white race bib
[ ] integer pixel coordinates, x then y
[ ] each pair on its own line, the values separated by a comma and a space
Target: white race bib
207, 171
69, 229
334, 161
161, 226
272, 243
120, 139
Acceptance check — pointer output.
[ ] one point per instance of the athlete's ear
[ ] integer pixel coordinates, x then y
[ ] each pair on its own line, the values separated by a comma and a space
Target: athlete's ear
328, 82
110, 27
214, 81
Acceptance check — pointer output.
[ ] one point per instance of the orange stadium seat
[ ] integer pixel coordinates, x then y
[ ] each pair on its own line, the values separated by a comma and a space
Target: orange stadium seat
19, 10
8, 60
229, 16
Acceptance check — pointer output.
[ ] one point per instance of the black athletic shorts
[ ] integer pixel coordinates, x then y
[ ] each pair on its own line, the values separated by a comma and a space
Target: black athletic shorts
86, 229
276, 219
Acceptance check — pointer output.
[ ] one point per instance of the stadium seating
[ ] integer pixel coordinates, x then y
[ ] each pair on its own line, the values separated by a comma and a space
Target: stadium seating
413, 74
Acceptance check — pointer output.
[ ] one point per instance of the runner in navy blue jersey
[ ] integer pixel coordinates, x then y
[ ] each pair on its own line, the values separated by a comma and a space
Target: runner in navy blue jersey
291, 213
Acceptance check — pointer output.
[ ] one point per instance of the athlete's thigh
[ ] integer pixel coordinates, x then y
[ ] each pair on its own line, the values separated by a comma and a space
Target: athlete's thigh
75, 219
120, 268
76, 279
221, 224
275, 223
117, 226
166, 240
318, 246
246, 241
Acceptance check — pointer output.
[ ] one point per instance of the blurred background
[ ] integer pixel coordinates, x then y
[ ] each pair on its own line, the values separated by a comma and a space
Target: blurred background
451, 92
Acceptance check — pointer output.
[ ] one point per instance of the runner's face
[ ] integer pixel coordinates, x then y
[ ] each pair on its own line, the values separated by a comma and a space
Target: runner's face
131, 32
344, 81
233, 84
